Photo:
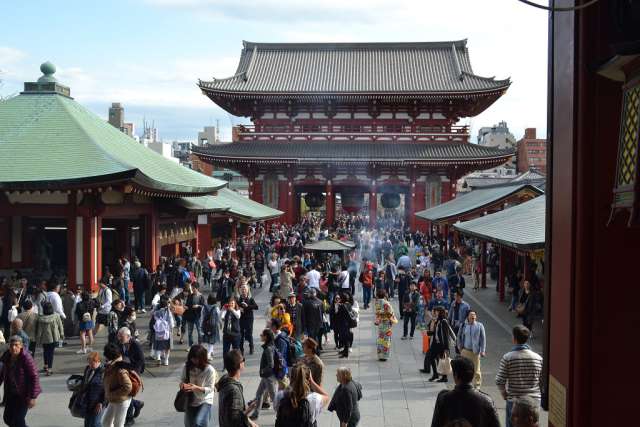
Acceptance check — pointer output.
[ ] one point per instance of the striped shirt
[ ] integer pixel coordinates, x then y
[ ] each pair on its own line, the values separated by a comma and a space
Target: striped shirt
519, 373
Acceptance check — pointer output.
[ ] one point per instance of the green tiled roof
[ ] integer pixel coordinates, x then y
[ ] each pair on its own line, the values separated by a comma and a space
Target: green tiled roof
521, 226
476, 199
49, 141
330, 245
232, 203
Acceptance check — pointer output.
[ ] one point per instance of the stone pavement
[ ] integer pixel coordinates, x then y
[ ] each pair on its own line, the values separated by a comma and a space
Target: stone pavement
395, 394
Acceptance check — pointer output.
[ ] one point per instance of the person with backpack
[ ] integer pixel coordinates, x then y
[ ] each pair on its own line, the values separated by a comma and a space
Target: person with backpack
118, 387
141, 282
230, 326
312, 309
210, 324
300, 404
93, 391
193, 308
49, 333
163, 324
345, 399
268, 381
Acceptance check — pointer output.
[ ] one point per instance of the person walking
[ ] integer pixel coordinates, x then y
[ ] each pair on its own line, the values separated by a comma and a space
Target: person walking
141, 282
519, 372
384, 321
311, 359
345, 399
104, 300
198, 378
367, 284
472, 343
274, 270
210, 324
410, 304
193, 308
232, 410
29, 318
458, 311
312, 308
268, 381
93, 390
247, 306
49, 333
464, 401
300, 404
21, 383
296, 315
132, 354
117, 387
441, 341
84, 311
343, 322
230, 326
163, 323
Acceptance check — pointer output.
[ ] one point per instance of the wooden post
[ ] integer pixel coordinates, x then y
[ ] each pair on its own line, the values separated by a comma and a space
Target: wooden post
203, 235
92, 235
483, 263
501, 272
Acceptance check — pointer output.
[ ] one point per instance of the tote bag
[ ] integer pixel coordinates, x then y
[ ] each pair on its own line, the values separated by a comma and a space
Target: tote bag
444, 365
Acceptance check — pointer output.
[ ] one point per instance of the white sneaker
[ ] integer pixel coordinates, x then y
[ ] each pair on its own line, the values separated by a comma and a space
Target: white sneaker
166, 362
82, 351
144, 311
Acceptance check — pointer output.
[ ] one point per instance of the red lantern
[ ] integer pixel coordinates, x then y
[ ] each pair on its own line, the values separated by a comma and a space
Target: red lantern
352, 202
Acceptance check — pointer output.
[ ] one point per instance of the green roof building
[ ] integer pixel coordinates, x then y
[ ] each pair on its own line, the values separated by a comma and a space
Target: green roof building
76, 193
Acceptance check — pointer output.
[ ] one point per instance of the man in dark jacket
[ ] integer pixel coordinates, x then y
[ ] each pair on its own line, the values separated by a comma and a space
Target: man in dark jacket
464, 401
21, 382
133, 354
312, 309
141, 282
268, 381
296, 312
247, 306
232, 411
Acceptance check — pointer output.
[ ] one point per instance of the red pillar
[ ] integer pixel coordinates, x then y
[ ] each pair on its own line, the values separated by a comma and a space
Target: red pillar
92, 236
292, 211
234, 231
445, 194
203, 235
501, 272
483, 264
373, 206
257, 191
446, 240
176, 249
151, 240
330, 204
419, 203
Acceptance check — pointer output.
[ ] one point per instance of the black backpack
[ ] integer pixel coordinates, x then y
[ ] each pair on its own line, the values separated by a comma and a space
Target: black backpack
288, 416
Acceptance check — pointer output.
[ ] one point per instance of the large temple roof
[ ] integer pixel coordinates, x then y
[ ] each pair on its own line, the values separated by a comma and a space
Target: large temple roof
355, 68
49, 141
435, 153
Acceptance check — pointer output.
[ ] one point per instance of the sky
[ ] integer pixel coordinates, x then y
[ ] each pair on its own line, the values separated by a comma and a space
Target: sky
149, 54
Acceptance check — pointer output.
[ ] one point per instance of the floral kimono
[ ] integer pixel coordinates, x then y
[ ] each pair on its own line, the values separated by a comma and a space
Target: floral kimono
385, 319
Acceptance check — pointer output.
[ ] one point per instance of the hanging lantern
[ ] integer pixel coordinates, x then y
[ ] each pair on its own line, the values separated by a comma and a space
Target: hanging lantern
314, 200
390, 200
352, 202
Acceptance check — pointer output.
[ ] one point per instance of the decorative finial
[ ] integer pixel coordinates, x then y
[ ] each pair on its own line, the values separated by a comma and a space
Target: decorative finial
48, 69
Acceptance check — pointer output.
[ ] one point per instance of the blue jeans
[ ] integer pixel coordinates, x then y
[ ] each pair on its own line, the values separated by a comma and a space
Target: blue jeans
514, 300
190, 325
230, 342
366, 295
507, 422
93, 420
198, 416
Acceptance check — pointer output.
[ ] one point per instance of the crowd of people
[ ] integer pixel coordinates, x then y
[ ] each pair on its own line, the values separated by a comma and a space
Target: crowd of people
208, 300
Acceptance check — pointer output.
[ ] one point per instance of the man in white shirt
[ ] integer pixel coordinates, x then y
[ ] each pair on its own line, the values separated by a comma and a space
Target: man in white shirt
343, 279
54, 298
313, 278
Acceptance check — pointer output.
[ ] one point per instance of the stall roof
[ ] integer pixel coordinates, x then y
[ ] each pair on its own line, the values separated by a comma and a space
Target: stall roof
330, 245
520, 227
474, 200
232, 203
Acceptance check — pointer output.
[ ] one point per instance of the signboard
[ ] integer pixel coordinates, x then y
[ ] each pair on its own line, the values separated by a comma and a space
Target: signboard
557, 403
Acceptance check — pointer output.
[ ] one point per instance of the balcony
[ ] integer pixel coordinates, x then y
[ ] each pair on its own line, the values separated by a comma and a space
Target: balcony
368, 133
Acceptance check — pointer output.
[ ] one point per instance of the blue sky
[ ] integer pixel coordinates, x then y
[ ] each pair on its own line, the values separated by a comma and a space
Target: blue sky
148, 54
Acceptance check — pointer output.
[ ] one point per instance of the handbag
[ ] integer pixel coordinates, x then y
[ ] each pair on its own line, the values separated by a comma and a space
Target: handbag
183, 398
444, 364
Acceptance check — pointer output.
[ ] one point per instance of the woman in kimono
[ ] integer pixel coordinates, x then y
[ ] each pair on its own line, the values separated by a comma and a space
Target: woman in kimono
385, 319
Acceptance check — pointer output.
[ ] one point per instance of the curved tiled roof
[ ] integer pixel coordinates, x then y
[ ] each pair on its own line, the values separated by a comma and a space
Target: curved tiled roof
345, 68
231, 203
520, 227
49, 141
412, 152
